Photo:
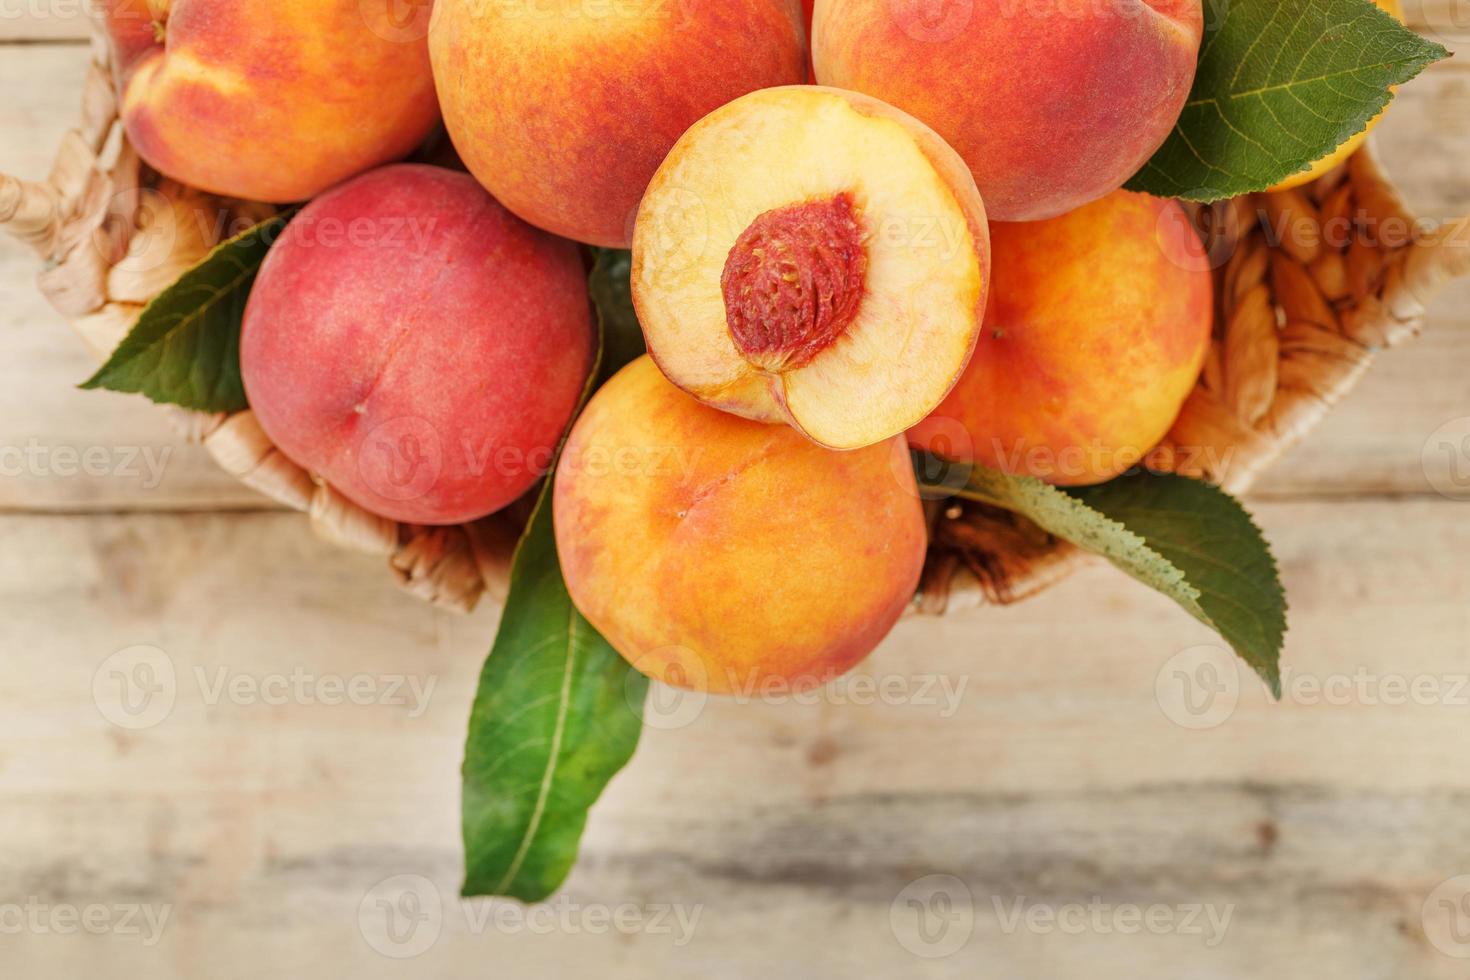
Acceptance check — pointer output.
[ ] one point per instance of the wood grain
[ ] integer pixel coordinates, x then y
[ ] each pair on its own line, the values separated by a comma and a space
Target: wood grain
1055, 777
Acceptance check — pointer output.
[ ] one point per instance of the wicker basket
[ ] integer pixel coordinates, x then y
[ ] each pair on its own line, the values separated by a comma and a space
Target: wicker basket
1300, 318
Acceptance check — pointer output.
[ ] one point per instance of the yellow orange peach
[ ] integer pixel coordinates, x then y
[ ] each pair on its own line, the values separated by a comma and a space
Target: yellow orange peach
1098, 325
564, 109
725, 555
271, 100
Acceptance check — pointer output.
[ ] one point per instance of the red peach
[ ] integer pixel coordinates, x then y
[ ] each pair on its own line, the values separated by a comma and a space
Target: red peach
416, 345
1052, 103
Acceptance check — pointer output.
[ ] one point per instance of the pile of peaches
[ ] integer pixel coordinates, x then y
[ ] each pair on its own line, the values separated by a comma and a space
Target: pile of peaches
908, 232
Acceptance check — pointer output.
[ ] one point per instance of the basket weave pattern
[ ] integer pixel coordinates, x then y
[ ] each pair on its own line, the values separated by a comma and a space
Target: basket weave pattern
1313, 282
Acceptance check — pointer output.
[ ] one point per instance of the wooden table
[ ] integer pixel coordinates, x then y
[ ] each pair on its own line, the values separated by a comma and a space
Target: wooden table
1057, 790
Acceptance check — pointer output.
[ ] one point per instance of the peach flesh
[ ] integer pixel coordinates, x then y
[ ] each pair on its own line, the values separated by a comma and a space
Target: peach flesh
856, 326
793, 282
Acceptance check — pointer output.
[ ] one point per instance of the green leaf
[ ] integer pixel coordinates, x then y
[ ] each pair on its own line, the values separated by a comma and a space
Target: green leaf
558, 712
185, 347
1280, 85
1187, 539
611, 286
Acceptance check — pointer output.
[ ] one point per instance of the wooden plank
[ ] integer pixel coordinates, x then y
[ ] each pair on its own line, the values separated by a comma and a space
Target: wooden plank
1056, 777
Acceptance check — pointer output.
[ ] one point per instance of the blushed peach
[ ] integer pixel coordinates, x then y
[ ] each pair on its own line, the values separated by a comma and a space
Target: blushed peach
416, 345
725, 555
564, 109
1052, 103
1098, 325
270, 100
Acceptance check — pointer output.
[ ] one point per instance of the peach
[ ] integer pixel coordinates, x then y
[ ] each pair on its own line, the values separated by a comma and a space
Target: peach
727, 556
564, 109
1052, 104
1352, 143
271, 100
416, 345
1098, 325
816, 257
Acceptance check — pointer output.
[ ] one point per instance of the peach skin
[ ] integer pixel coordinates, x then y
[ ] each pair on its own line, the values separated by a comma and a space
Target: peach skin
1052, 104
1098, 325
564, 109
270, 100
727, 556
416, 345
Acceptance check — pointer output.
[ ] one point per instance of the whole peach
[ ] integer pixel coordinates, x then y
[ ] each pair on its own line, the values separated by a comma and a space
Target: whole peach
271, 100
416, 345
731, 556
564, 109
1052, 103
1098, 325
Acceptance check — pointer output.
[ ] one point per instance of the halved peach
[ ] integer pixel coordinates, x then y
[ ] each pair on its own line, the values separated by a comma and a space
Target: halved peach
813, 256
